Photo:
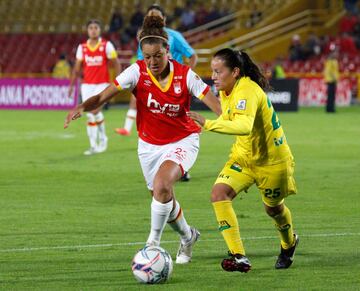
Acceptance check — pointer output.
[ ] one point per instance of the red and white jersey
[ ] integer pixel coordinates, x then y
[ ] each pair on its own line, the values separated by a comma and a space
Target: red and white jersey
161, 117
95, 61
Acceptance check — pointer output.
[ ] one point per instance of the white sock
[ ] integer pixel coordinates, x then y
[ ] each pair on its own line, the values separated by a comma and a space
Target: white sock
92, 129
130, 118
100, 121
159, 216
178, 223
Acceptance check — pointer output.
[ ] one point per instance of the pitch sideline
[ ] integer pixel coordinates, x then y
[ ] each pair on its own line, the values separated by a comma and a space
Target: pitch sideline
49, 248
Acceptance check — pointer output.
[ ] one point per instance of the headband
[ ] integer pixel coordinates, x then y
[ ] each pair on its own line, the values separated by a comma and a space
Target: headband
155, 36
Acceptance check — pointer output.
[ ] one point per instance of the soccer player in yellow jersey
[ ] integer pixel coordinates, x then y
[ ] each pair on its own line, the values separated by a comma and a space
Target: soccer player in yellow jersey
259, 156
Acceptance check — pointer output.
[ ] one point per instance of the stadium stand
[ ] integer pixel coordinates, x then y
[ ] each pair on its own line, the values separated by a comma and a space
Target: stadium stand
33, 37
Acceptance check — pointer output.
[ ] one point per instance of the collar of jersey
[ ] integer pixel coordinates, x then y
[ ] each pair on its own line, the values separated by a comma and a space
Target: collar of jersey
95, 47
232, 90
169, 80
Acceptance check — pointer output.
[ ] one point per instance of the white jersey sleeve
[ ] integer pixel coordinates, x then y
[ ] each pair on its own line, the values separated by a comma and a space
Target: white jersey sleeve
110, 51
196, 85
129, 78
79, 53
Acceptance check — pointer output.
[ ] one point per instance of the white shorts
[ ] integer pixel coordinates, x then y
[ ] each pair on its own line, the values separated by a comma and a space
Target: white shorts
89, 90
182, 152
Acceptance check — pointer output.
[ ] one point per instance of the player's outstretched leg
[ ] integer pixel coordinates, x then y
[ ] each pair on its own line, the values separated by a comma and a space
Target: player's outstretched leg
229, 227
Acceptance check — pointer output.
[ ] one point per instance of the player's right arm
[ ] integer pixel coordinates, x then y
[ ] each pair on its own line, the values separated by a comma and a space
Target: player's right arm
77, 69
127, 80
75, 75
91, 104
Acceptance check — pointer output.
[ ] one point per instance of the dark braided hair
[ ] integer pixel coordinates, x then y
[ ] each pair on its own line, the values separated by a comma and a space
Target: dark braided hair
153, 25
239, 59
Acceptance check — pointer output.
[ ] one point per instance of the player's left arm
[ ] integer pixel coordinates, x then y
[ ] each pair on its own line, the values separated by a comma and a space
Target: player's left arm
242, 122
112, 56
198, 88
212, 102
116, 65
193, 61
185, 49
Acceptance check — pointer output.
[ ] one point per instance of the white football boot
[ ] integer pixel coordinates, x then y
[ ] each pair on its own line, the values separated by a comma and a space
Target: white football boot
185, 250
103, 145
91, 151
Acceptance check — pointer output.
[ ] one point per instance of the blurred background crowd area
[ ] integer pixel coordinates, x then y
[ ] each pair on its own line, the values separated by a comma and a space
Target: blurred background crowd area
295, 35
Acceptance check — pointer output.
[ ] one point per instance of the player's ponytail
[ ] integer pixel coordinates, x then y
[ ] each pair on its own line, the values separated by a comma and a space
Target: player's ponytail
152, 31
239, 59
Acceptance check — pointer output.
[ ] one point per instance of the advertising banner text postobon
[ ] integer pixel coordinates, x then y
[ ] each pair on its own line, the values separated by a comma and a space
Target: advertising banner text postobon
38, 94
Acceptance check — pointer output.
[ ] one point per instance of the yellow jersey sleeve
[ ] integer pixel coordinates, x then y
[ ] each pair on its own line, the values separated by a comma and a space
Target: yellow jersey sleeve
245, 103
240, 125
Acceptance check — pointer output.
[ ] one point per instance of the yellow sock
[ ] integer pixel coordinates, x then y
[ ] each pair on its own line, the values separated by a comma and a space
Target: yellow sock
283, 223
228, 225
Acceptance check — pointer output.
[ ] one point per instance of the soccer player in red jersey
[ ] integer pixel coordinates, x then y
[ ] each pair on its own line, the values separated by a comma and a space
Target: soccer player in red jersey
93, 57
168, 139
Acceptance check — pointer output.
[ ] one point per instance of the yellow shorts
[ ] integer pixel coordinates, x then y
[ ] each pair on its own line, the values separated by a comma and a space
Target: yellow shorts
275, 182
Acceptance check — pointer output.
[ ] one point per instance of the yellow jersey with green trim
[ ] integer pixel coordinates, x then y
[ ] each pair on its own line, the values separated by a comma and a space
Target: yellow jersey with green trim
249, 114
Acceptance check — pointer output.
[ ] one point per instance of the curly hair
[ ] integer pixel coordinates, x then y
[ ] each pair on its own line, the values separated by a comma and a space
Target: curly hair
152, 31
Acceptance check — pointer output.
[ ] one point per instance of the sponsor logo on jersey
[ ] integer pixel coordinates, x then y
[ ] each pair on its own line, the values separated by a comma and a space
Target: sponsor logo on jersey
279, 141
241, 104
94, 60
156, 107
147, 83
177, 87
222, 175
178, 77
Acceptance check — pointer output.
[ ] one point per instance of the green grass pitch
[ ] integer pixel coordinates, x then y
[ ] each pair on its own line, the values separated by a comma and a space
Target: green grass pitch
68, 221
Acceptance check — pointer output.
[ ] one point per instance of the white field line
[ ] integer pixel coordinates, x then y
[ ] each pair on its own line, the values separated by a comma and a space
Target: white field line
31, 249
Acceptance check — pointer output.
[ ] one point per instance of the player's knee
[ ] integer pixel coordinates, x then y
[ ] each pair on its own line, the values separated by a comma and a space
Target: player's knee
90, 117
274, 210
220, 193
162, 190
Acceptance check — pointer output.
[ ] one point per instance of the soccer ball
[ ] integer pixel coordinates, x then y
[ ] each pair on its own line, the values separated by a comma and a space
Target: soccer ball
152, 265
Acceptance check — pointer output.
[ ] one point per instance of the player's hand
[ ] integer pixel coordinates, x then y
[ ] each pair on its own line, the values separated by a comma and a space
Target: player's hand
73, 115
196, 117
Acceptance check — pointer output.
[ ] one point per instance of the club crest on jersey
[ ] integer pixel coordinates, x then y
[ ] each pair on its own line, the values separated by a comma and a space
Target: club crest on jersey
177, 87
241, 104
